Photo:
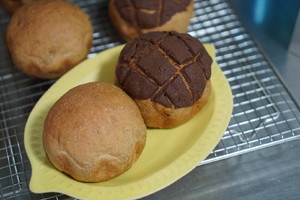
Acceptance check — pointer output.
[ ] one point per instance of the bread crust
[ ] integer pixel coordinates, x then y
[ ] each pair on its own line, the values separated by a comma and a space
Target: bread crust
179, 22
157, 116
94, 132
48, 38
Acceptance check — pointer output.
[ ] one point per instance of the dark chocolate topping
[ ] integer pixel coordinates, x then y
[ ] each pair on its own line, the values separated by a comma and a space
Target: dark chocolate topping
167, 67
155, 65
141, 86
149, 14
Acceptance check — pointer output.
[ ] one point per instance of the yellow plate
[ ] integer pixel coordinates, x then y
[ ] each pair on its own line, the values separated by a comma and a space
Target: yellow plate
168, 155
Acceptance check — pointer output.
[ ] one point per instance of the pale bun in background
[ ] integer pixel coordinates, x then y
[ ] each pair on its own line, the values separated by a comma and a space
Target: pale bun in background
46, 38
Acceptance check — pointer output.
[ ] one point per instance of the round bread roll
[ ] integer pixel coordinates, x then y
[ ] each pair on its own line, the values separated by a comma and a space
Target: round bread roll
134, 17
168, 76
46, 38
94, 132
12, 5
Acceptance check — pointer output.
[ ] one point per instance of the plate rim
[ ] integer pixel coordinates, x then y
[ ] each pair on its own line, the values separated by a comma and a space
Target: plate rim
190, 164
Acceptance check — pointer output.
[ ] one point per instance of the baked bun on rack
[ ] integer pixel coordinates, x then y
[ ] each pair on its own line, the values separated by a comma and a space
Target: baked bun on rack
46, 38
134, 17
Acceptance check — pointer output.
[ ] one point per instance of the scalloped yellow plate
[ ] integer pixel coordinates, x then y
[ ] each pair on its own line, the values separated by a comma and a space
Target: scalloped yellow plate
169, 154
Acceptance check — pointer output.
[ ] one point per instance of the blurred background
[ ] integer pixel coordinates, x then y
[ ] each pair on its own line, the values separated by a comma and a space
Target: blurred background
275, 24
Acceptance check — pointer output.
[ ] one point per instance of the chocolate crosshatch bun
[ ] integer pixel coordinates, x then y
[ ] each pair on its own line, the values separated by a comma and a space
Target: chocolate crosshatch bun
134, 17
168, 76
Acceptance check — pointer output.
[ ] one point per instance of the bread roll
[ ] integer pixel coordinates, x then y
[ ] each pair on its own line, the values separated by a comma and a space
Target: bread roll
94, 132
168, 76
135, 17
46, 38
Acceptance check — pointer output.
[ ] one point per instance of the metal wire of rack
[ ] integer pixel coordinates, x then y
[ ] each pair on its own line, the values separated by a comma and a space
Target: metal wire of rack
264, 112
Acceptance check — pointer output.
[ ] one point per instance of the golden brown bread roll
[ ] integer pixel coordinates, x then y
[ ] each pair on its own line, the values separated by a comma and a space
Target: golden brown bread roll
46, 38
94, 132
135, 17
167, 74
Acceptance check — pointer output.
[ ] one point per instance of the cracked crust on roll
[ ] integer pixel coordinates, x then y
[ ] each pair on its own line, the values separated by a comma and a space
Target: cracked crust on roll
167, 74
178, 22
158, 116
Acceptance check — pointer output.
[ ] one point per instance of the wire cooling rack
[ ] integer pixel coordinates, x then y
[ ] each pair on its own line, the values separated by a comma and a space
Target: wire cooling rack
264, 113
